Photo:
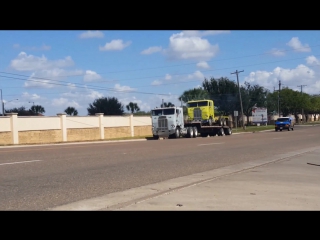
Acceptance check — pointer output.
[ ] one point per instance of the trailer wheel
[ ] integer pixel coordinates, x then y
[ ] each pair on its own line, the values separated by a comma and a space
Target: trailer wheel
190, 132
228, 131
195, 132
221, 132
155, 137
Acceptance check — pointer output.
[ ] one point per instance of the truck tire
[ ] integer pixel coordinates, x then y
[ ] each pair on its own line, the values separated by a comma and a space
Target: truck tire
177, 133
220, 121
288, 128
292, 128
195, 132
189, 132
155, 137
228, 131
221, 132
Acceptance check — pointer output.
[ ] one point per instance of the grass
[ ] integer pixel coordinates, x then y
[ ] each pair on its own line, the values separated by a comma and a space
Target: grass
253, 128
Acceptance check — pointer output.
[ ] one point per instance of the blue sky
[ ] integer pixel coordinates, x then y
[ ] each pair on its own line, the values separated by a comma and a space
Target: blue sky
57, 69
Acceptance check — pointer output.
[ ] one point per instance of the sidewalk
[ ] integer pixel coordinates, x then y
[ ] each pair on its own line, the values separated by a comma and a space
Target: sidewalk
289, 183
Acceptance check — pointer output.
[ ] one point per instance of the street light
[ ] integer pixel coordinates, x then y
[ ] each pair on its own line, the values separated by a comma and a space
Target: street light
7, 102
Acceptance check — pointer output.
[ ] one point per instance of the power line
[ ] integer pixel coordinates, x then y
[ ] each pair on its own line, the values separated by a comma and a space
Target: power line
168, 66
146, 77
97, 88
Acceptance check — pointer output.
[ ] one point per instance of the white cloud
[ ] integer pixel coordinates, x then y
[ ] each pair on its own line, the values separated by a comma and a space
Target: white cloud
34, 96
312, 60
49, 78
203, 64
189, 46
115, 45
289, 77
196, 33
91, 34
44, 47
25, 62
151, 50
277, 52
120, 88
197, 75
298, 46
91, 76
168, 77
156, 83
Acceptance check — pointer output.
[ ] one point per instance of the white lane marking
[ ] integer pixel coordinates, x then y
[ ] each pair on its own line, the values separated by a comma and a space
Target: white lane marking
209, 144
20, 162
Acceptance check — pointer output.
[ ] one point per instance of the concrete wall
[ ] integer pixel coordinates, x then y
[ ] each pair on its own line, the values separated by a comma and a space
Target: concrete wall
37, 130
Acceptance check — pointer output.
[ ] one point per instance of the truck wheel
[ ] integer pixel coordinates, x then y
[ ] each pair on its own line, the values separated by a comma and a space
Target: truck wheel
227, 131
189, 132
221, 132
177, 133
195, 132
292, 128
155, 137
220, 121
276, 129
288, 128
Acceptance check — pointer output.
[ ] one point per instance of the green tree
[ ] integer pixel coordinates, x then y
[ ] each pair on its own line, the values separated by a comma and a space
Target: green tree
314, 105
36, 109
224, 93
22, 111
194, 94
107, 106
71, 111
167, 104
133, 107
251, 95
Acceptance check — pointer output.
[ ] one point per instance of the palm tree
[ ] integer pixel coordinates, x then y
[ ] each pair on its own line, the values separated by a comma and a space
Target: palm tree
133, 107
71, 111
167, 104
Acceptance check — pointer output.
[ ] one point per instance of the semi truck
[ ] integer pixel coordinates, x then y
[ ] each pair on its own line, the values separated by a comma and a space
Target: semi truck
170, 122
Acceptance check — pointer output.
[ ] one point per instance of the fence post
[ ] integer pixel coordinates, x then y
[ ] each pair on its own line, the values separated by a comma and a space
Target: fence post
131, 125
101, 127
14, 127
63, 124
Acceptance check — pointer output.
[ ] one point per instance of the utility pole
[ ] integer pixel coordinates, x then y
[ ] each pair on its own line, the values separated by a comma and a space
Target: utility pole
2, 103
237, 73
279, 98
302, 112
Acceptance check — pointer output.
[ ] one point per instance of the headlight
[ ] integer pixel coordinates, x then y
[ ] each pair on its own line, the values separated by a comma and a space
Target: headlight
173, 126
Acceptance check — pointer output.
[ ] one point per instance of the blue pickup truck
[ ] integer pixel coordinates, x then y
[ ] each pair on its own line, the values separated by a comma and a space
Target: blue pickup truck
283, 123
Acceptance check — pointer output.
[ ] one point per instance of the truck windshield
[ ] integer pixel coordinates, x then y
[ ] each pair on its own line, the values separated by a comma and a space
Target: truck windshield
198, 104
282, 119
160, 112
157, 112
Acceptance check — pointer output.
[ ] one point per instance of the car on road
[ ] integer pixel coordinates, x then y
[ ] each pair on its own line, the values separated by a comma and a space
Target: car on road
284, 123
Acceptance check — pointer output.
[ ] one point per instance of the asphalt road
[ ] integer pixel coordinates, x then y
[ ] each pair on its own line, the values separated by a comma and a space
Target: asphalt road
44, 177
